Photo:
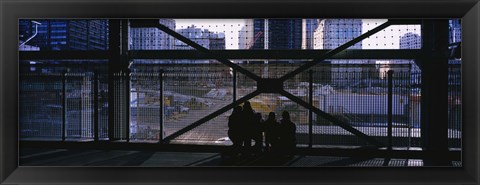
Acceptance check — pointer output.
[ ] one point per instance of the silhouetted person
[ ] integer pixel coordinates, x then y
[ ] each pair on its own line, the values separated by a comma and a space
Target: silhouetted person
234, 128
271, 127
287, 134
257, 132
247, 119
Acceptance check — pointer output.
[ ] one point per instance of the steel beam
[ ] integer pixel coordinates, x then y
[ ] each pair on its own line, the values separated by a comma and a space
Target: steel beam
113, 67
64, 106
230, 54
390, 109
124, 67
310, 112
274, 54
62, 55
434, 109
160, 76
95, 106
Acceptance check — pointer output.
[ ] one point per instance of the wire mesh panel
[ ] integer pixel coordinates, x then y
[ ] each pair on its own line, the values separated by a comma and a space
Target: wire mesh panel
403, 128
76, 108
415, 108
342, 96
454, 106
454, 86
145, 105
79, 118
245, 85
357, 95
103, 106
275, 34
40, 105
193, 92
120, 84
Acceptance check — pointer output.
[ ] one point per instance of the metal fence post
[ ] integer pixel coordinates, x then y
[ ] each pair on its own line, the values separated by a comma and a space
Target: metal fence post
310, 114
95, 106
127, 110
234, 73
161, 106
390, 101
64, 106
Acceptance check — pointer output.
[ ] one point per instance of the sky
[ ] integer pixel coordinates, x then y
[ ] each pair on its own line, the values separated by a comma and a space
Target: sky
388, 38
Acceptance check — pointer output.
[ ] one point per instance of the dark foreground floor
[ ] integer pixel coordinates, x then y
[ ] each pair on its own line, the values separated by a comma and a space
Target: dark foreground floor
45, 157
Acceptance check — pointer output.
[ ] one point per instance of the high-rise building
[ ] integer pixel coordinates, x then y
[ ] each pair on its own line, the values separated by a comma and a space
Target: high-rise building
410, 41
245, 36
66, 34
455, 26
258, 29
277, 33
309, 25
217, 41
152, 38
318, 36
331, 33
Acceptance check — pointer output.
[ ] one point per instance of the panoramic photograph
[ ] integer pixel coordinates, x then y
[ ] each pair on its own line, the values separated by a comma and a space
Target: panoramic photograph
240, 92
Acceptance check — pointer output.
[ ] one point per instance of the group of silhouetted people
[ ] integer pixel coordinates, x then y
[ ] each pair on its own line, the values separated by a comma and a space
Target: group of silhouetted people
269, 136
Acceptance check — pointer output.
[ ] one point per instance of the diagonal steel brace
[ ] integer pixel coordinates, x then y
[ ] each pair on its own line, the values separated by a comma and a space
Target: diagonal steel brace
287, 76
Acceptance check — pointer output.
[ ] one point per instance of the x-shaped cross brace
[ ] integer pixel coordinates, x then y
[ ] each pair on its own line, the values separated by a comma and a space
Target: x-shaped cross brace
267, 85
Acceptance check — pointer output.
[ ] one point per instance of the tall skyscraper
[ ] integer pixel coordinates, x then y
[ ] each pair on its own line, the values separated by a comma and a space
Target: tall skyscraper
152, 38
277, 33
245, 35
410, 41
309, 25
455, 26
259, 32
66, 34
331, 33
455, 36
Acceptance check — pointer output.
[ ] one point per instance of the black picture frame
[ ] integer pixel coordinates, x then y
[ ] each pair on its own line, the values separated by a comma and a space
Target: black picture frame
11, 11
